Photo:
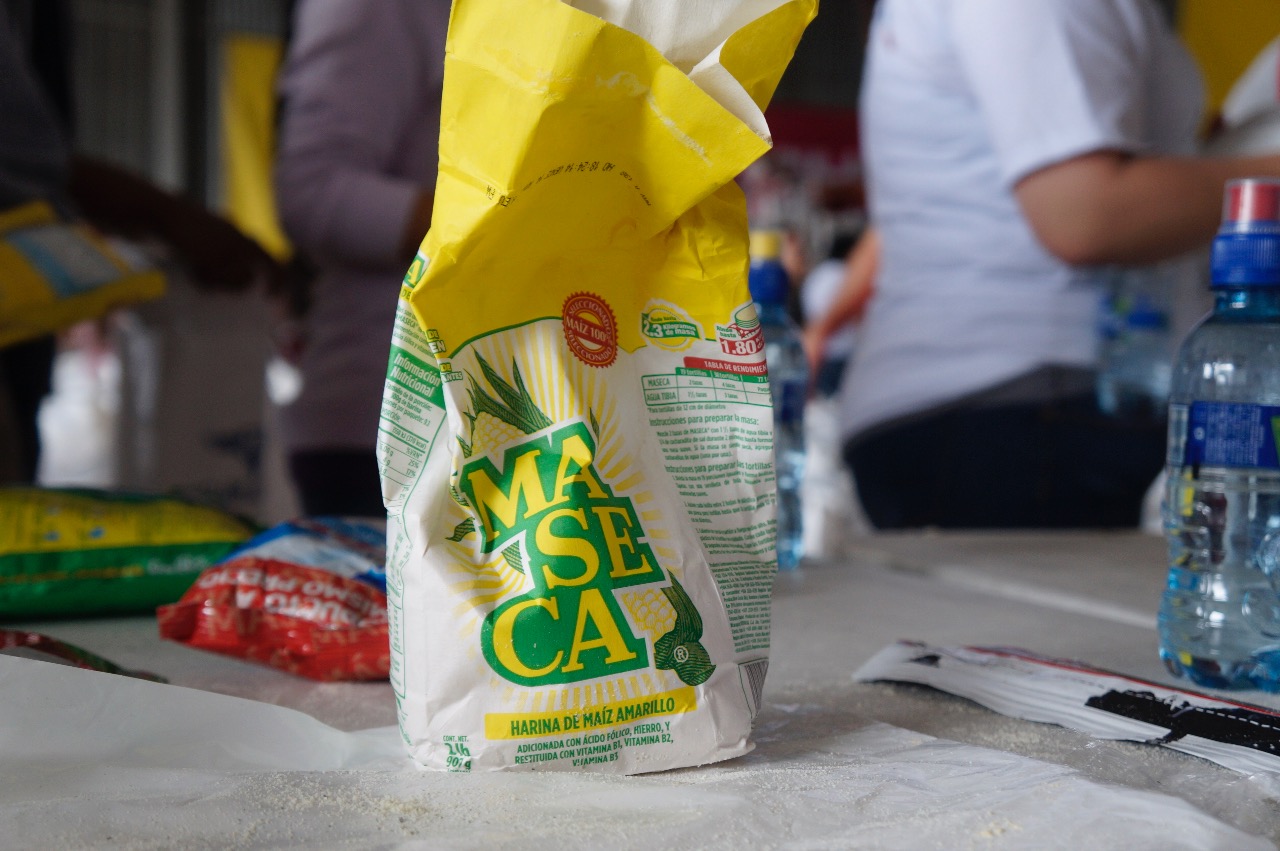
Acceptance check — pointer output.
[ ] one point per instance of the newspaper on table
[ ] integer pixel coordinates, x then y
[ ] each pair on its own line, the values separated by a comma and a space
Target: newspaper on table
1108, 705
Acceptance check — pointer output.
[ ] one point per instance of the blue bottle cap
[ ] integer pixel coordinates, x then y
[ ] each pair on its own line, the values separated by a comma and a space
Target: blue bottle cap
767, 277
1246, 251
767, 281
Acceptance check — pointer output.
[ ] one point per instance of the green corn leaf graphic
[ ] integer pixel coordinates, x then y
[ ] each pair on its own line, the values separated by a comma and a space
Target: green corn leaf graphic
514, 558
510, 395
462, 530
688, 622
695, 668
527, 409
680, 649
513, 405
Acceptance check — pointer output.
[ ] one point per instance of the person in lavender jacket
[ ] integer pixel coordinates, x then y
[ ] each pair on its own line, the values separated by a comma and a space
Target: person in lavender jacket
354, 172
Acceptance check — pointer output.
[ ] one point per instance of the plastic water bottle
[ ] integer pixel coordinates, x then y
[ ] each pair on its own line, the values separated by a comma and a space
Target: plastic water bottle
1135, 359
789, 387
1220, 614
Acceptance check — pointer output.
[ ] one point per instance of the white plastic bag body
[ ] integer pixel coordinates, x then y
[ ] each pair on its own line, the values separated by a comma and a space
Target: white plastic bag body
576, 441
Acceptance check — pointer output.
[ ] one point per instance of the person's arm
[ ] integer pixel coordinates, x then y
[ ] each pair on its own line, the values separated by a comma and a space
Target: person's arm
1066, 91
216, 254
1109, 207
856, 288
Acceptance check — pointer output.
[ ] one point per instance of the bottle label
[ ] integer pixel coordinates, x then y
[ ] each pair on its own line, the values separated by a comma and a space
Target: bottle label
1232, 434
789, 406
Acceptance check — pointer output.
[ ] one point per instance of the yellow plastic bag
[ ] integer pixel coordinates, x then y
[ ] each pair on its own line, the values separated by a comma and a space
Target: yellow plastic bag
576, 433
54, 273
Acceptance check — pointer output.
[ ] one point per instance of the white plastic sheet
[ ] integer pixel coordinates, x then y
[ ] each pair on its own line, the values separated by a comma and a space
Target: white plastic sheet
93, 760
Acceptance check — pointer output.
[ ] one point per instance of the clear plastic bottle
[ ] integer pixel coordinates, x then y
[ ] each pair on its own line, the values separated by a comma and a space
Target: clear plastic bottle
1220, 613
788, 384
1136, 348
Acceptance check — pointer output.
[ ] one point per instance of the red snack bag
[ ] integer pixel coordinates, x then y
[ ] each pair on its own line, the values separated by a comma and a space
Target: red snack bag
303, 597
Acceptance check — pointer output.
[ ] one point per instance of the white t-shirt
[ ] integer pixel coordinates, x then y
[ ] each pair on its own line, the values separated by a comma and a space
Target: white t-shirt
961, 99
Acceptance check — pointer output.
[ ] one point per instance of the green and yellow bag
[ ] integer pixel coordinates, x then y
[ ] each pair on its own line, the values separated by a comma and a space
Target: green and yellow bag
80, 552
576, 442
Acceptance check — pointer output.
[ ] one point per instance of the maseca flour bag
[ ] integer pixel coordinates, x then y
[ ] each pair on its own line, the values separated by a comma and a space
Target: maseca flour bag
576, 442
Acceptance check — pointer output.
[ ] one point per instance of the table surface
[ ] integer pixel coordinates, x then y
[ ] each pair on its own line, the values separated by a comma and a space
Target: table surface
1088, 596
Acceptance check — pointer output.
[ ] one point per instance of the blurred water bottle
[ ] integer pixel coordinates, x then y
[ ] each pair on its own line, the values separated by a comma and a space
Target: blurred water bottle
1220, 614
788, 383
1135, 357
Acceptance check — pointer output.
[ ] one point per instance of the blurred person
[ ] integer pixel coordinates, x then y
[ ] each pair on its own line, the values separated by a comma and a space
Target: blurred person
354, 173
38, 163
1011, 148
835, 295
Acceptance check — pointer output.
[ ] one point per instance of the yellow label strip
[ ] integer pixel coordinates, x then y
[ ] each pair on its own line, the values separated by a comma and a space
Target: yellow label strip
525, 725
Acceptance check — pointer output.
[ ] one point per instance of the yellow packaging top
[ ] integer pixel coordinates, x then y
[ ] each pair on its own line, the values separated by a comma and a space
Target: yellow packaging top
623, 145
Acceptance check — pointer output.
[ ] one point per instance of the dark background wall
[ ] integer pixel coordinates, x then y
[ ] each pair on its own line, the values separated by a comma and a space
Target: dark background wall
146, 73
828, 64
